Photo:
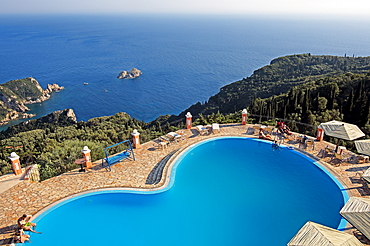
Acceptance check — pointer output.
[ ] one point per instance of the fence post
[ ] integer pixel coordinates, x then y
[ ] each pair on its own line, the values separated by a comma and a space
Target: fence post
86, 154
135, 139
319, 134
244, 116
14, 160
188, 120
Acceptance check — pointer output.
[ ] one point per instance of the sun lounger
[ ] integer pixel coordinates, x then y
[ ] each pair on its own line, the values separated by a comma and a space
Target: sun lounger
215, 128
201, 129
310, 144
256, 128
175, 136
167, 139
268, 129
338, 157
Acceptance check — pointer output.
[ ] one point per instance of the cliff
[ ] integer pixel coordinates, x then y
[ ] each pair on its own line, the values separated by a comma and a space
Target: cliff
16, 94
133, 73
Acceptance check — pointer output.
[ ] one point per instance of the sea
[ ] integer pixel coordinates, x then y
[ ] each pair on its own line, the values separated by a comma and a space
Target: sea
184, 59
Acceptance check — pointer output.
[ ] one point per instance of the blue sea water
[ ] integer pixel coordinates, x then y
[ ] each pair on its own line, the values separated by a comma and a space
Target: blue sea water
184, 59
228, 191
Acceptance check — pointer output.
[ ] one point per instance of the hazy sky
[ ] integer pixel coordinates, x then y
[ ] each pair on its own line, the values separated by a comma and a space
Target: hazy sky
275, 7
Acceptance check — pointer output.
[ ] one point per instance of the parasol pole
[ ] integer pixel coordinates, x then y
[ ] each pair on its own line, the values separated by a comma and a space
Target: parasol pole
336, 147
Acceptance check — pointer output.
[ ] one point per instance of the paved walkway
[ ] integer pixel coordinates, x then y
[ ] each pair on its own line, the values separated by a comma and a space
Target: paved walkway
30, 198
9, 181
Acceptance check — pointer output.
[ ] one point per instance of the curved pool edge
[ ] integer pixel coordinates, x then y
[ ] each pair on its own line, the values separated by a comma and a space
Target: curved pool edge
169, 177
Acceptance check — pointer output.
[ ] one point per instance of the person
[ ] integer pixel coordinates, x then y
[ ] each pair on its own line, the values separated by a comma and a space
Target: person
263, 136
25, 224
21, 237
285, 129
24, 220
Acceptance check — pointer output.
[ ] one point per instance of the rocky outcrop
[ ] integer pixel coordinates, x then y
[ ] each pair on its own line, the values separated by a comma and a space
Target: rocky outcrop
16, 94
133, 73
56, 117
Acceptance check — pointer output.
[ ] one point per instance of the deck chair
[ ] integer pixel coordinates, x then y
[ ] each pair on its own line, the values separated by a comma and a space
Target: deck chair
268, 129
201, 129
256, 128
174, 136
329, 151
167, 139
337, 157
215, 128
310, 144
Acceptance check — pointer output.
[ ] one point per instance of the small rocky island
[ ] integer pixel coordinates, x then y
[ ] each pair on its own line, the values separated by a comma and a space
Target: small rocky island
133, 73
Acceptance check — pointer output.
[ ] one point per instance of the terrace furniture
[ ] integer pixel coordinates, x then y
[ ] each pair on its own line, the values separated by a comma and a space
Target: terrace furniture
269, 129
215, 128
310, 144
201, 129
362, 159
126, 154
257, 128
175, 137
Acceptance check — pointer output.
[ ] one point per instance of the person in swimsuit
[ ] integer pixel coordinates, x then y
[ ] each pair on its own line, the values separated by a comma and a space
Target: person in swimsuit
25, 224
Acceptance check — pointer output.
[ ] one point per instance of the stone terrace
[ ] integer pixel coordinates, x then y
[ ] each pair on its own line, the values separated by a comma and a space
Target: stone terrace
32, 197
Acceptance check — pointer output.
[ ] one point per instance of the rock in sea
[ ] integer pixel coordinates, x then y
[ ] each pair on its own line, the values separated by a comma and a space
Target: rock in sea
133, 73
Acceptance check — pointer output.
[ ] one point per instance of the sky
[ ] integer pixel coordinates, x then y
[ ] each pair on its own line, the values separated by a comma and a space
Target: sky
337, 8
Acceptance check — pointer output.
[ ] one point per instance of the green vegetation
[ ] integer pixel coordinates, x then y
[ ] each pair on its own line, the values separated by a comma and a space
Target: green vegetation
282, 74
14, 93
55, 146
344, 97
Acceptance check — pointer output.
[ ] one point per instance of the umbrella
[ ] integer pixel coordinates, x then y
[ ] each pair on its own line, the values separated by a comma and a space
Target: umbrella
341, 130
313, 234
357, 212
363, 146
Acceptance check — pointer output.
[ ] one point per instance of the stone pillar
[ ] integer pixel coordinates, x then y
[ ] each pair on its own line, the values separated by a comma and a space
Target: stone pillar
319, 134
188, 120
14, 160
87, 156
135, 139
244, 116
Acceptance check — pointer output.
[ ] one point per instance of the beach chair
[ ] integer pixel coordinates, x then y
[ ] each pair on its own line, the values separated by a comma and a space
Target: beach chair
167, 139
201, 129
175, 137
328, 151
215, 128
362, 159
256, 129
268, 129
337, 157
310, 144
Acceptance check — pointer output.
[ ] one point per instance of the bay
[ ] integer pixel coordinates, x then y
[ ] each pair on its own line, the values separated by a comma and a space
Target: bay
184, 58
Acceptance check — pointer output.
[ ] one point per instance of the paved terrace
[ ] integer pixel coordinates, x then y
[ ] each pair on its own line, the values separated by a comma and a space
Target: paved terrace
31, 197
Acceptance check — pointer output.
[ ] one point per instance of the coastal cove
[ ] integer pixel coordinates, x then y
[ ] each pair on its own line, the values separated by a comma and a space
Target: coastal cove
186, 59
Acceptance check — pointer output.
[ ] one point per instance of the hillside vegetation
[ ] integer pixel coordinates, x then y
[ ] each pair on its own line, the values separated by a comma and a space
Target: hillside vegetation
282, 74
343, 97
15, 94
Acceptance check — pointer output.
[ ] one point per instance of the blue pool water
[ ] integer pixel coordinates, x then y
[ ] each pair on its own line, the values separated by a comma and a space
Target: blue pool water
225, 191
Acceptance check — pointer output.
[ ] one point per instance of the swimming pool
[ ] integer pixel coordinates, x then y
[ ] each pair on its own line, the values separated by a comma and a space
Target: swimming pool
224, 191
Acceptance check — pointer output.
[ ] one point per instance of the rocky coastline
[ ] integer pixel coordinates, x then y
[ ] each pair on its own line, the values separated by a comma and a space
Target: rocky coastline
14, 104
